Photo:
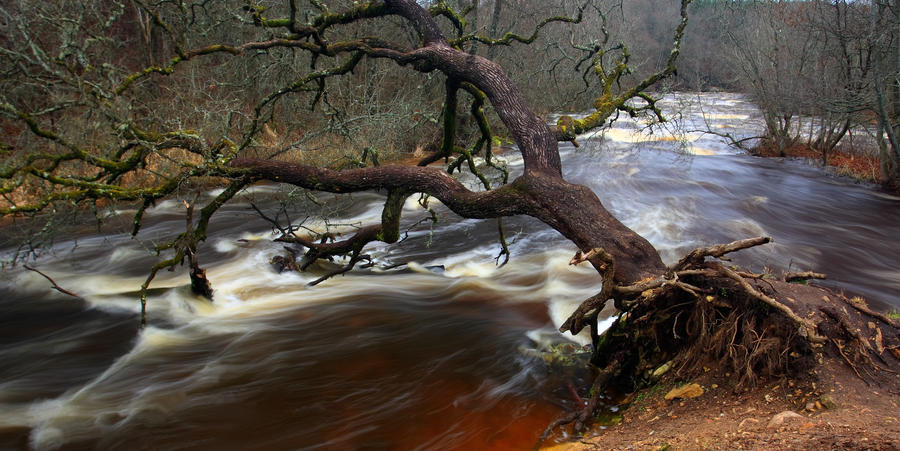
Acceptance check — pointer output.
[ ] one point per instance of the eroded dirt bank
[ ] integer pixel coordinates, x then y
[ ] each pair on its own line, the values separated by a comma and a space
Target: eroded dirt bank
846, 397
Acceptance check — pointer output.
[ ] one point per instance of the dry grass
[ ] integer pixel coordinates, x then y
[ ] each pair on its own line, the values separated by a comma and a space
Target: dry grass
862, 166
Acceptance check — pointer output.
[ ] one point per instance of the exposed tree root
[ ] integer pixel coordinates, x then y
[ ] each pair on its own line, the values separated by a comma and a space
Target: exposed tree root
706, 314
807, 326
583, 417
860, 304
605, 262
697, 256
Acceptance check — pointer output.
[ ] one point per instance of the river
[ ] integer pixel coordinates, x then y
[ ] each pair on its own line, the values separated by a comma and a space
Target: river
429, 355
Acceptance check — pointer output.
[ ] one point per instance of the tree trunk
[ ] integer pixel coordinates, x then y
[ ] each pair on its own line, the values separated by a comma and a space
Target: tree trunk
495, 24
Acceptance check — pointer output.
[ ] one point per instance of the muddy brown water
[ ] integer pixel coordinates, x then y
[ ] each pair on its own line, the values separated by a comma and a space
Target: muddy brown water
431, 355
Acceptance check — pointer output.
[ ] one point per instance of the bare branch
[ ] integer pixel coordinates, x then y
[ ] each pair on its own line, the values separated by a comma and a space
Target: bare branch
53, 283
697, 255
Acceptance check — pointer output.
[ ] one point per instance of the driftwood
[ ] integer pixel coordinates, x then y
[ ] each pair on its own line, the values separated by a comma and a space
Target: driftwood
798, 276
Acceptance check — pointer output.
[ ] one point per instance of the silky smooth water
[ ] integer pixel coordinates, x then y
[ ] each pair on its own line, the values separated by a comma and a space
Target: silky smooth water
433, 354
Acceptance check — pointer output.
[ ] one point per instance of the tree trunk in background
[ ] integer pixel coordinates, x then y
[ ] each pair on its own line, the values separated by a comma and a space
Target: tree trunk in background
495, 24
474, 22
887, 89
894, 80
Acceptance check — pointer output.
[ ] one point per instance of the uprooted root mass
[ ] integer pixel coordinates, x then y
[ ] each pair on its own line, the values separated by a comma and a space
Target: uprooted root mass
705, 314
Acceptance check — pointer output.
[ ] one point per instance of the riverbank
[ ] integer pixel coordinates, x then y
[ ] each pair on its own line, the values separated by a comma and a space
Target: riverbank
770, 416
828, 405
862, 166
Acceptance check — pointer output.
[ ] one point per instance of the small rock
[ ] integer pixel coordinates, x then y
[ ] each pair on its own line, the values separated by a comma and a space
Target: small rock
828, 402
811, 406
685, 392
745, 421
783, 418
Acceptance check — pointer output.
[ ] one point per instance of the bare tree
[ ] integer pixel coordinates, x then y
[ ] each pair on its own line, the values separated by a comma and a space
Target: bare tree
128, 153
774, 59
884, 33
816, 69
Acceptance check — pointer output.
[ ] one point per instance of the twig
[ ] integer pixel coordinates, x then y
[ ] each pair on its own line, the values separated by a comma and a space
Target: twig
354, 259
795, 276
274, 222
54, 285
847, 359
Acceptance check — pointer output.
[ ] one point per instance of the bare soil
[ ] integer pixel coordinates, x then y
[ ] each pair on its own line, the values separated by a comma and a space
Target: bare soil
837, 405
864, 417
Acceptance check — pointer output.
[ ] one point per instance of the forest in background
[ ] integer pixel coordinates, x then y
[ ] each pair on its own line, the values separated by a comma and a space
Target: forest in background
818, 70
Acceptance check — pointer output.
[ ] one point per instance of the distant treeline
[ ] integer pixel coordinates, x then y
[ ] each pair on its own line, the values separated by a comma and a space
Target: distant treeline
836, 61
819, 70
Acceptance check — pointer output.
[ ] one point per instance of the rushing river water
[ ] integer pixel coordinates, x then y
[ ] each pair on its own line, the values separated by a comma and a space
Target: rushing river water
430, 355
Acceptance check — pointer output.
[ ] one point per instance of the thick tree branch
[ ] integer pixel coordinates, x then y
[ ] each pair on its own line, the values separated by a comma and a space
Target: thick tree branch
503, 201
573, 210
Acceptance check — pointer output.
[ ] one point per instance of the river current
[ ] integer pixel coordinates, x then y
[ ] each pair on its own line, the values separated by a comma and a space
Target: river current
431, 354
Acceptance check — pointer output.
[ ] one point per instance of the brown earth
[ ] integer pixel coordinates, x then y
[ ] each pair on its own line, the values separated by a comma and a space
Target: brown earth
834, 405
864, 417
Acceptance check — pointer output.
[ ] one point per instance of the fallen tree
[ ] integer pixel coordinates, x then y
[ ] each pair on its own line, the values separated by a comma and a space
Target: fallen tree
669, 313
79, 168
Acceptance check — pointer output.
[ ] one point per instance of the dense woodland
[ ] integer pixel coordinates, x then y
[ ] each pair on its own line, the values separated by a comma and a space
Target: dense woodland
825, 67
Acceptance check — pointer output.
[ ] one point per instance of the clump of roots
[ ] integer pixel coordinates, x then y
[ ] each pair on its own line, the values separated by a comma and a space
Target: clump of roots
727, 327
704, 314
